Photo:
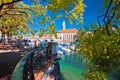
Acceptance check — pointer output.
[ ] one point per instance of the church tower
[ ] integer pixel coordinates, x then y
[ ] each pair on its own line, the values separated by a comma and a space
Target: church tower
63, 25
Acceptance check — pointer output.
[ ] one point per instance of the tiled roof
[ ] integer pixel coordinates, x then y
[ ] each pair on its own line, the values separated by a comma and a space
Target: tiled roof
69, 31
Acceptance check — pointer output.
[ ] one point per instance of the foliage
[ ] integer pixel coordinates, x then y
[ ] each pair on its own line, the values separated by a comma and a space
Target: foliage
33, 32
101, 52
13, 19
5, 1
51, 30
95, 75
72, 10
42, 32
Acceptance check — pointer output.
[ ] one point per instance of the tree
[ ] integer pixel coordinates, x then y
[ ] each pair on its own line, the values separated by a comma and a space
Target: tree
73, 7
101, 52
13, 20
42, 32
72, 10
33, 32
100, 47
7, 2
51, 30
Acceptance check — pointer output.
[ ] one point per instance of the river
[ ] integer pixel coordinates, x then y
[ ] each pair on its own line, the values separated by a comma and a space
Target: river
72, 67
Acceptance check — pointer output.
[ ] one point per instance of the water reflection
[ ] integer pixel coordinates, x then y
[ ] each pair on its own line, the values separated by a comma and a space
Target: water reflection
73, 59
72, 66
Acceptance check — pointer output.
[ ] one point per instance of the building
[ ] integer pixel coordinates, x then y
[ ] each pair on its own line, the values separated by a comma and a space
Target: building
67, 35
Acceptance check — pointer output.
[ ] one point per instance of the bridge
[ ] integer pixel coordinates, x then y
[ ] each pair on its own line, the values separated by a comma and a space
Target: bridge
39, 64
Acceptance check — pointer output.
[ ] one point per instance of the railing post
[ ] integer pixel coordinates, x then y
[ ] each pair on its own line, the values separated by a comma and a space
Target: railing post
52, 51
28, 69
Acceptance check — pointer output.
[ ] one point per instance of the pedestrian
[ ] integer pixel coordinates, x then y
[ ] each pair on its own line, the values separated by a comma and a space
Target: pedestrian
35, 44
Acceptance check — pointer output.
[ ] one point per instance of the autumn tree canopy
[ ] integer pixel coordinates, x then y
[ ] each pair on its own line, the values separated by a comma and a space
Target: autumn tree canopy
72, 10
100, 46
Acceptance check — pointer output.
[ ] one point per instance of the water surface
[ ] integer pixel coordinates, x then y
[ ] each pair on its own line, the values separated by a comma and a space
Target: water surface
72, 67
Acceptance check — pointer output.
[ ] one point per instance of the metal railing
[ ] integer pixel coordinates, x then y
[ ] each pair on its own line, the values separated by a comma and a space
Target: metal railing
31, 63
53, 70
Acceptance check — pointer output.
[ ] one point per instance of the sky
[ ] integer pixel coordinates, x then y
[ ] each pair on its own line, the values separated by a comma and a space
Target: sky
92, 11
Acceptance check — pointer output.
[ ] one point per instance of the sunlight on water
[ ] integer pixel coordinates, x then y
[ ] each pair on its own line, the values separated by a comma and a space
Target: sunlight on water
72, 67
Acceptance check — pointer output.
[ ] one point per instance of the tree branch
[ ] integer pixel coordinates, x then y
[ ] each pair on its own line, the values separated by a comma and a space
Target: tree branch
20, 13
99, 20
12, 2
21, 10
106, 23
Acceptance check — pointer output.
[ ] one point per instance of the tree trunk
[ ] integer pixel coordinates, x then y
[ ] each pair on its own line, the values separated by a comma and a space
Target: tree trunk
3, 38
8, 37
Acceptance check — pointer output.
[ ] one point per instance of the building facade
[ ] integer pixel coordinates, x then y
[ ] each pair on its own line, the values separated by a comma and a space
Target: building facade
67, 35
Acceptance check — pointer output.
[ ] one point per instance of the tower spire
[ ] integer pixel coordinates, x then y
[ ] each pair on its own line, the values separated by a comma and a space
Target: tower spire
63, 25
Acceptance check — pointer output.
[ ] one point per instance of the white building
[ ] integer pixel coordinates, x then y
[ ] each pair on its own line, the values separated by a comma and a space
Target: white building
67, 35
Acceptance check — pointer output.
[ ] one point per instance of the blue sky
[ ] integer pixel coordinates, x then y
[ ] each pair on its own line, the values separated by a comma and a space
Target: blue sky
92, 11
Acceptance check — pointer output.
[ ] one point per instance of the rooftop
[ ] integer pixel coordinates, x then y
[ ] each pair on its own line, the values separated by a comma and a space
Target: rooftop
74, 30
